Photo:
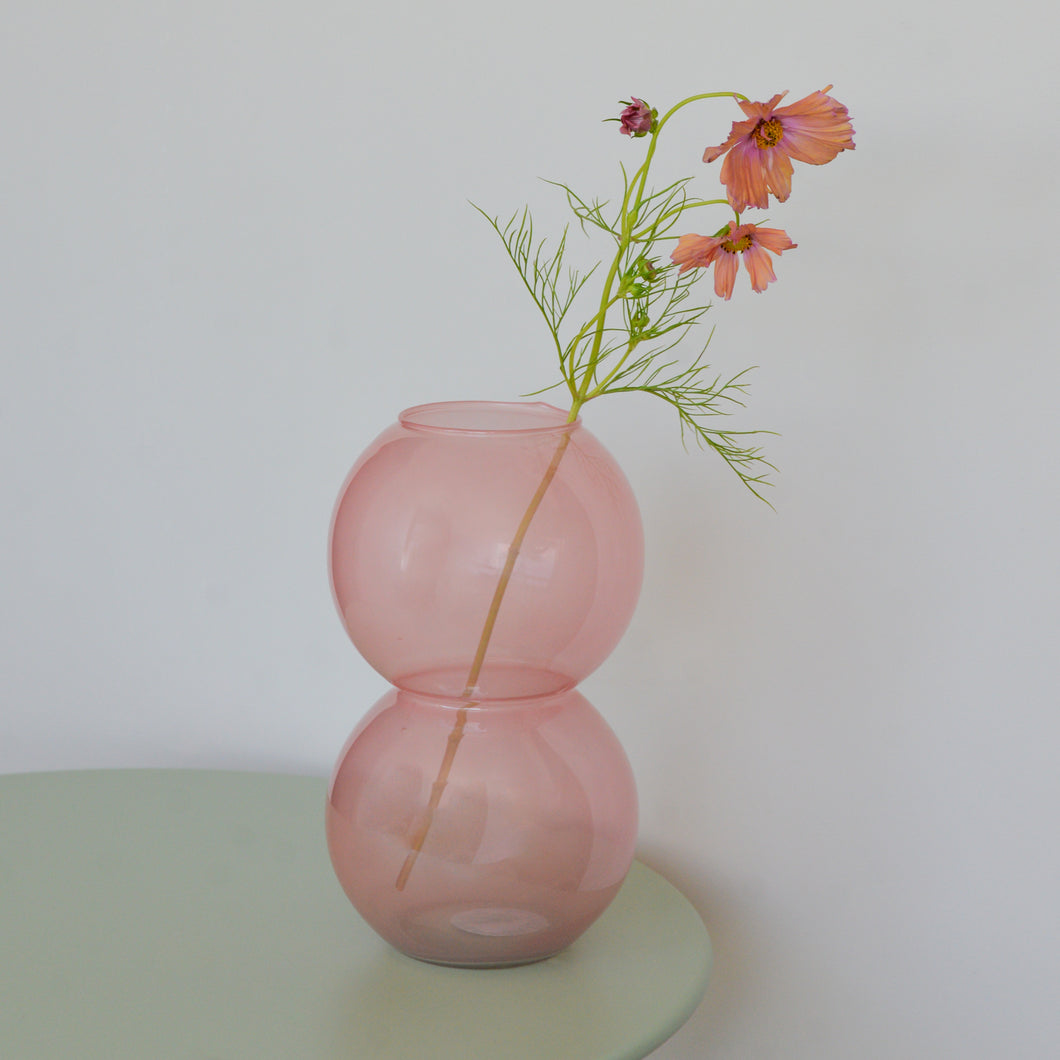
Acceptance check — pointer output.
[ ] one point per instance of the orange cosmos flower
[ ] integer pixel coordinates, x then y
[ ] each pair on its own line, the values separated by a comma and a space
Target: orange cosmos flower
725, 250
760, 150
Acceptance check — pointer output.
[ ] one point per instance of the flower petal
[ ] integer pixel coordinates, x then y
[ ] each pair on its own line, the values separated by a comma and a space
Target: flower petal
725, 267
776, 173
759, 111
744, 177
774, 239
741, 130
816, 128
694, 252
759, 267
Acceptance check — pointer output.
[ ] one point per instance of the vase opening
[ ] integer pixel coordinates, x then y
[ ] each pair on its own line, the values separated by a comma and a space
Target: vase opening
479, 417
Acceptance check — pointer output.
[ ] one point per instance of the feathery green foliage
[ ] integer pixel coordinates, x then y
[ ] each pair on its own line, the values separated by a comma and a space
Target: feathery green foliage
645, 309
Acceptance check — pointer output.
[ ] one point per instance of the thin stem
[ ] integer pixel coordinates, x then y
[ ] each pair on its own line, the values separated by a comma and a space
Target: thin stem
601, 318
602, 385
509, 564
601, 315
437, 790
457, 733
639, 236
642, 173
693, 99
628, 215
581, 390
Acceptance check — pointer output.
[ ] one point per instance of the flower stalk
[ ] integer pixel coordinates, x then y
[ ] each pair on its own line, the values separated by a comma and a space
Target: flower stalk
642, 315
604, 354
470, 685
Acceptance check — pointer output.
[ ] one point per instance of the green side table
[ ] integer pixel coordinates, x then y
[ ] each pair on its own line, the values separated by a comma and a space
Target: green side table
189, 915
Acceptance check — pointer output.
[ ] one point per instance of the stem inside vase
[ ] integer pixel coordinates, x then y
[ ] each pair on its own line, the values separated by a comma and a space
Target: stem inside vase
457, 733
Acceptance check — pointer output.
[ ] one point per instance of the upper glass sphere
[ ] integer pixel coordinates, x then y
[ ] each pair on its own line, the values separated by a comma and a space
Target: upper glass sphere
423, 535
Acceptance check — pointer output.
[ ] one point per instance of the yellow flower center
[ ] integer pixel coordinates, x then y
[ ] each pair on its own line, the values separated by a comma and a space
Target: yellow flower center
737, 247
768, 133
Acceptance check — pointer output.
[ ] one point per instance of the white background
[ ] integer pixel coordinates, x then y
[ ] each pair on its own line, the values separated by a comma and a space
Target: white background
235, 241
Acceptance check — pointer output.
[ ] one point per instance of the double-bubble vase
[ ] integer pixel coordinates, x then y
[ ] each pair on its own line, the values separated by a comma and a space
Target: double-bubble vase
485, 558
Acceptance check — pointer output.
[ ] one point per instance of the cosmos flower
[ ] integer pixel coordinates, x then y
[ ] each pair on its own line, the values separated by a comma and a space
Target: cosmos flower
759, 150
725, 250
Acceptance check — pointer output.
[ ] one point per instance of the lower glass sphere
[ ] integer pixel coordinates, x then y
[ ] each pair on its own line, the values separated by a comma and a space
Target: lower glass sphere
486, 833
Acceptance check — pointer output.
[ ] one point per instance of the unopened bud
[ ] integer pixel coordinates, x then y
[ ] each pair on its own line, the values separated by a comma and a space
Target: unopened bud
638, 119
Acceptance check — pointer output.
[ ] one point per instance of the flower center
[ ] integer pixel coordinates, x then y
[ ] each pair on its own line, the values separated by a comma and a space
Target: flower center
737, 247
768, 133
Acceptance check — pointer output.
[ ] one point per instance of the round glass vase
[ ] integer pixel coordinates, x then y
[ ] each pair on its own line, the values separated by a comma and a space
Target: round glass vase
485, 558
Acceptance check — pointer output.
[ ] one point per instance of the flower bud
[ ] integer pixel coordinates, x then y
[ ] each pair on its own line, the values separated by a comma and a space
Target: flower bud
647, 270
638, 119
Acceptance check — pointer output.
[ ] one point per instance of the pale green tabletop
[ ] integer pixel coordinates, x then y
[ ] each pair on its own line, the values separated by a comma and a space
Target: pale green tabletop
185, 915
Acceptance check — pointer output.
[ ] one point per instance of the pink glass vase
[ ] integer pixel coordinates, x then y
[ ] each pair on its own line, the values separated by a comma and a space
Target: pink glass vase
485, 558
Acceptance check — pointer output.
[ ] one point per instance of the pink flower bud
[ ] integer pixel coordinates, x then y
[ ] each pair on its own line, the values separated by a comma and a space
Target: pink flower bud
638, 119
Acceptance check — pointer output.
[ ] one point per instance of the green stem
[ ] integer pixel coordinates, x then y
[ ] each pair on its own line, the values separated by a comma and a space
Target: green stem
638, 237
580, 392
695, 99
628, 219
588, 326
646, 165
602, 385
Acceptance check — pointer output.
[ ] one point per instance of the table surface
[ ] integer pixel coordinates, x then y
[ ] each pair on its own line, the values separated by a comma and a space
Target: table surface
193, 915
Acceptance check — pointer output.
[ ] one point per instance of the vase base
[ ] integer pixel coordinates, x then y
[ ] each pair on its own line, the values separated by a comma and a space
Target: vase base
484, 965
481, 937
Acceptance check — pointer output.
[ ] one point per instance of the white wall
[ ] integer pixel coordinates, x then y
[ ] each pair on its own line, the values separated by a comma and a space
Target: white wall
235, 240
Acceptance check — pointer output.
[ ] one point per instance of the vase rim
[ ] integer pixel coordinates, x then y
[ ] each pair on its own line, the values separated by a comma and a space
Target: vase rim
487, 417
